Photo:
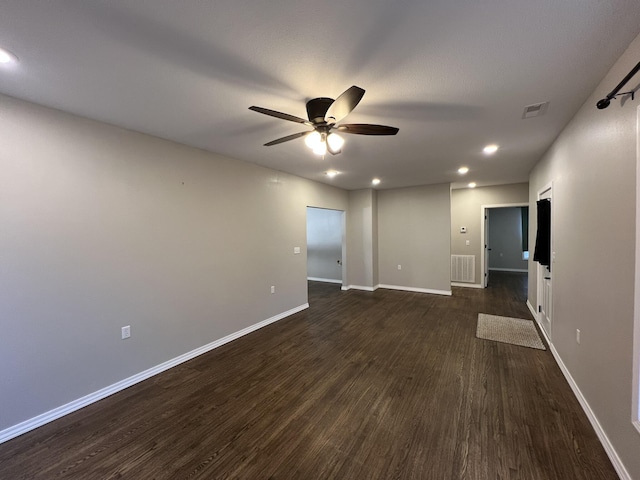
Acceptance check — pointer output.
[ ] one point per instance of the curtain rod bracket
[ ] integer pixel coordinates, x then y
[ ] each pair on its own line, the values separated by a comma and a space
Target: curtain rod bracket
633, 94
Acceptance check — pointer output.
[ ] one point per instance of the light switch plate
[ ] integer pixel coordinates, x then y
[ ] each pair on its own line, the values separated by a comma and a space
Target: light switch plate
296, 250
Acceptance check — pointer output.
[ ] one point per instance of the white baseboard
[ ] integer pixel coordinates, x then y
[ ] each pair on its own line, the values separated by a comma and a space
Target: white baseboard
533, 312
418, 290
51, 415
467, 285
326, 280
360, 287
519, 270
604, 440
602, 436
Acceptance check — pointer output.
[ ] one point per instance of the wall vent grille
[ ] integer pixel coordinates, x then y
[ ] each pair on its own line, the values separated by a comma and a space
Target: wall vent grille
463, 268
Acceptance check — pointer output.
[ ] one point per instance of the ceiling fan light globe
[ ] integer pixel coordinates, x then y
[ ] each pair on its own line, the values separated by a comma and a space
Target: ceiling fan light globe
320, 149
313, 140
335, 142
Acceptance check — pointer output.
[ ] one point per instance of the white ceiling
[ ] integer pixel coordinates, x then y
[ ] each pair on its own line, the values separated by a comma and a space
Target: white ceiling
453, 75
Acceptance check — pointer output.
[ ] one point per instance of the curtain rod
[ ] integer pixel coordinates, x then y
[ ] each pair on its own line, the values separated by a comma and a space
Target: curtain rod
604, 103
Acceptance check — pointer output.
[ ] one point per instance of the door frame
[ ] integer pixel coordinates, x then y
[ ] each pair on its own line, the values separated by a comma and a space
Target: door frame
484, 236
636, 328
548, 188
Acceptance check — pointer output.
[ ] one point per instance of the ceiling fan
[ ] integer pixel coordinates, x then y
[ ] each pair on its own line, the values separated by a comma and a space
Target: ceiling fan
324, 114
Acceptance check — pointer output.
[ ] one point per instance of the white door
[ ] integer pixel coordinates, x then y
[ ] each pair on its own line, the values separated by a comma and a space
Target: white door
545, 299
544, 279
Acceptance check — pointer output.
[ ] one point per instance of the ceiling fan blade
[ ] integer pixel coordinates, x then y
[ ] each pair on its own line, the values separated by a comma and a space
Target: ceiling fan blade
283, 116
343, 105
367, 129
286, 139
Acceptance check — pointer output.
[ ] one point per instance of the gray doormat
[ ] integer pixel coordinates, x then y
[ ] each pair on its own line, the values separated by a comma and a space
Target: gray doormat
516, 331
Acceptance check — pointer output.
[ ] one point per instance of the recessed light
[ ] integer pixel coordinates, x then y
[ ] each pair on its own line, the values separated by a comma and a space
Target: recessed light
331, 173
490, 149
7, 57
472, 185
463, 170
375, 181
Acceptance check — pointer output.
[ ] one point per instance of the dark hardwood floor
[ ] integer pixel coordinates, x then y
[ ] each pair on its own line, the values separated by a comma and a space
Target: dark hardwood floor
383, 385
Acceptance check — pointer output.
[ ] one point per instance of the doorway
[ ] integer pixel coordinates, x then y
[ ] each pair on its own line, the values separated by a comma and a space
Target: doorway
325, 245
504, 248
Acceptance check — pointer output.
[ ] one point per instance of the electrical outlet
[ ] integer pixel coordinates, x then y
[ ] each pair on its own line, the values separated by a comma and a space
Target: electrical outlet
273, 289
399, 267
126, 332
578, 336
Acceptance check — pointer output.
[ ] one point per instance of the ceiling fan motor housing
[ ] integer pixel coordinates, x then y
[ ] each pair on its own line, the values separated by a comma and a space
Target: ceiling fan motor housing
317, 109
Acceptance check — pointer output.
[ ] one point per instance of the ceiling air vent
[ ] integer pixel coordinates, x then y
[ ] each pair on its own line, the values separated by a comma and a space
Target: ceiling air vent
535, 110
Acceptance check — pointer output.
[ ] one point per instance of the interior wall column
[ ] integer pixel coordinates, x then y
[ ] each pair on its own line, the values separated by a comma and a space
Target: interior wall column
362, 239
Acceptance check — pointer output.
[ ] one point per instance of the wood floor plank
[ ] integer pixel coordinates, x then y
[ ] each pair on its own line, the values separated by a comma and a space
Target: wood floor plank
375, 385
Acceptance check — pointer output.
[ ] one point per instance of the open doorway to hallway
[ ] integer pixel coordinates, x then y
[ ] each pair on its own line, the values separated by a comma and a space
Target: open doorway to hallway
507, 240
325, 245
505, 233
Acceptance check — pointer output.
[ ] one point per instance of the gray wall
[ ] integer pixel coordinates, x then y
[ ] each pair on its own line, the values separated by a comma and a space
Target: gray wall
593, 168
103, 227
414, 232
324, 244
362, 239
466, 211
505, 239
